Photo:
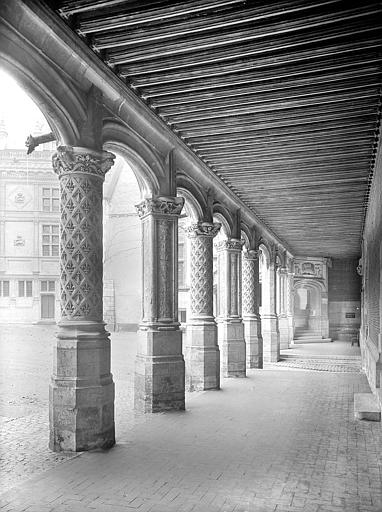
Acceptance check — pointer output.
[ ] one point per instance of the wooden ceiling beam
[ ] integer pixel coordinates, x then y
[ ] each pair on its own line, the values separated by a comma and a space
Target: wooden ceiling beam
264, 105
117, 33
142, 14
277, 92
285, 67
331, 128
350, 21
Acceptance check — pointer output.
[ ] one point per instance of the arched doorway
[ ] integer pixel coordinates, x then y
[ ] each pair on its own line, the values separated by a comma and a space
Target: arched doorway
310, 311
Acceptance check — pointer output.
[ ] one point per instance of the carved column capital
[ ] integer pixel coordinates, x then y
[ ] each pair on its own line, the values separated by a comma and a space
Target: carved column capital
75, 160
231, 244
160, 206
209, 229
251, 255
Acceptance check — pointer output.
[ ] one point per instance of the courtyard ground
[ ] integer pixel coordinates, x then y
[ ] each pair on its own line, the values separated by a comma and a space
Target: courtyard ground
283, 439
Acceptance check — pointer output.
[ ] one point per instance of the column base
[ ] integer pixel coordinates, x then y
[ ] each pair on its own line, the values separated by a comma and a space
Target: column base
284, 332
202, 357
159, 371
253, 342
231, 341
271, 338
81, 394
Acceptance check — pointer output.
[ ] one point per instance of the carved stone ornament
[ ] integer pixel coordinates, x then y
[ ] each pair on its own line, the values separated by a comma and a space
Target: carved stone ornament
70, 160
203, 229
160, 206
19, 198
359, 268
19, 241
231, 244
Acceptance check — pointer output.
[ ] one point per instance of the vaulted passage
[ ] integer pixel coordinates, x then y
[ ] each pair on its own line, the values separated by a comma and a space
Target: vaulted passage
251, 134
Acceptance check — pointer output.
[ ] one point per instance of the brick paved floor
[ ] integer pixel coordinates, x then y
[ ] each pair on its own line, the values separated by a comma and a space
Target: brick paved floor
276, 441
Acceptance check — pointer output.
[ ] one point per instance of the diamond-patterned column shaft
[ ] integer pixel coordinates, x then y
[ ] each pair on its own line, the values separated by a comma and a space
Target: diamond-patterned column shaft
81, 395
159, 369
202, 351
201, 283
230, 322
251, 317
81, 173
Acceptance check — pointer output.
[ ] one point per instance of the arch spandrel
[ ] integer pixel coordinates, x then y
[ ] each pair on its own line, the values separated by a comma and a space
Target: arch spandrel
62, 105
148, 168
222, 215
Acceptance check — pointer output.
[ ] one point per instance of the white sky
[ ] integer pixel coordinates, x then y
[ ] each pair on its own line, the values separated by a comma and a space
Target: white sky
19, 112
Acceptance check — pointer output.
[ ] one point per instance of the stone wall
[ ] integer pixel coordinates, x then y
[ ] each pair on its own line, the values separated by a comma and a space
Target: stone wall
371, 263
344, 300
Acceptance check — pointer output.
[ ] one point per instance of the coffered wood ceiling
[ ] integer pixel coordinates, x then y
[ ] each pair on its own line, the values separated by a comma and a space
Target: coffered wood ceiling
280, 98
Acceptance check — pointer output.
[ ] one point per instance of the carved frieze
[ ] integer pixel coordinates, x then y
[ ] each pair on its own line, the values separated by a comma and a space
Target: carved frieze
308, 269
160, 206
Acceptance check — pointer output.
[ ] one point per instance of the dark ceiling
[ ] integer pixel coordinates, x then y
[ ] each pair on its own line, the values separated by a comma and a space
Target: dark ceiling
280, 98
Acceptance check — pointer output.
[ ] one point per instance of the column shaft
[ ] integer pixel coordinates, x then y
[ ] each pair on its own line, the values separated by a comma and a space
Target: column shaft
269, 319
230, 322
159, 368
251, 317
202, 351
82, 389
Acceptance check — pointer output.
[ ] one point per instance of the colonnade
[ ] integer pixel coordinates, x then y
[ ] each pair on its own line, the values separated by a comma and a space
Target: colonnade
82, 388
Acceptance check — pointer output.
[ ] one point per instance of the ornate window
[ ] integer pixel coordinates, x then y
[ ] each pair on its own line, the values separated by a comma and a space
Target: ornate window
50, 239
50, 199
25, 288
4, 288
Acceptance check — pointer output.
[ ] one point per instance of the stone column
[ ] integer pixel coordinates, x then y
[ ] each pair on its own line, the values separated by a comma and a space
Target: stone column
159, 368
283, 320
81, 397
202, 350
290, 307
251, 317
269, 320
230, 322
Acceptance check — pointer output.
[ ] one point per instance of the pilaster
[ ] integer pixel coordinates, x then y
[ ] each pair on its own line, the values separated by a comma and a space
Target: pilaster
82, 390
290, 307
269, 319
159, 368
202, 351
251, 317
230, 322
283, 319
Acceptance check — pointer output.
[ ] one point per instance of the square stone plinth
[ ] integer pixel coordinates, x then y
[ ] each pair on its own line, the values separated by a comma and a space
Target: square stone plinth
159, 372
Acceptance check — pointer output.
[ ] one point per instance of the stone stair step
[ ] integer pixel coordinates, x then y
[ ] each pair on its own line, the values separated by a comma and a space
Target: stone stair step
366, 407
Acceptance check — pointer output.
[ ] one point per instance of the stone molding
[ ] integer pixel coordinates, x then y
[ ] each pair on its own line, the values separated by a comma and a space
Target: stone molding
160, 206
73, 160
206, 229
231, 244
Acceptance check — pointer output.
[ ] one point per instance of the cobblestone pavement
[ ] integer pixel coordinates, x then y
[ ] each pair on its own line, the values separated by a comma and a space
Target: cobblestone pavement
280, 441
25, 369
